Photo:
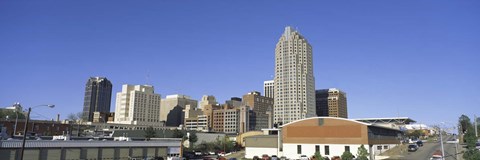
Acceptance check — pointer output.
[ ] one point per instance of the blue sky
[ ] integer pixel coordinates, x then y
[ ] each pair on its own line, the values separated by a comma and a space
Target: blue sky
393, 58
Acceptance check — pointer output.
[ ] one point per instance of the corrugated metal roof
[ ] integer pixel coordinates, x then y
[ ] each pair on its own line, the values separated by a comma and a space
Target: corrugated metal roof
59, 144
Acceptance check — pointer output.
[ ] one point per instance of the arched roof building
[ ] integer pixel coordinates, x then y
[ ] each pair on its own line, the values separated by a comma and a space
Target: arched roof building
330, 136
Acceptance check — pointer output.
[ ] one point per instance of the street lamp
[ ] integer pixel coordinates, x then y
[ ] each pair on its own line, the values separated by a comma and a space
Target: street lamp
441, 144
25, 128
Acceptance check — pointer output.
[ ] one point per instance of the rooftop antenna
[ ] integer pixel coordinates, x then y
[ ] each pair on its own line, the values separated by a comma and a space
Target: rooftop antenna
147, 78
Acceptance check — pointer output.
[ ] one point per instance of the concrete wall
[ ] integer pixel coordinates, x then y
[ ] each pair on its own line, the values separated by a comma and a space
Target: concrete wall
380, 148
250, 152
290, 150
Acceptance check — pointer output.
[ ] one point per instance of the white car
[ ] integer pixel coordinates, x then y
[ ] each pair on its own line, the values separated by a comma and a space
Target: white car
452, 141
436, 157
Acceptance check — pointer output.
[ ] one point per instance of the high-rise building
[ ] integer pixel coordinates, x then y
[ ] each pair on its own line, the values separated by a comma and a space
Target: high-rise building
208, 111
260, 110
268, 88
294, 81
331, 102
98, 96
172, 107
230, 120
138, 104
207, 100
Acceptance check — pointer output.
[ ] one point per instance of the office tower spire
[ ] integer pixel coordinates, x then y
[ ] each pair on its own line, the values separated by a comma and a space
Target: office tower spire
294, 82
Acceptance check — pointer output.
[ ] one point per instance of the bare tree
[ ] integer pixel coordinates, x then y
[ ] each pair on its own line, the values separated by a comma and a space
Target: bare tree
77, 119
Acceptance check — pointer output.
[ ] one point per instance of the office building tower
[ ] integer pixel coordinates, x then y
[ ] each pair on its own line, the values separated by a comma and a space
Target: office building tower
195, 119
268, 89
260, 107
207, 100
234, 102
331, 102
230, 120
294, 81
172, 108
208, 111
98, 96
138, 104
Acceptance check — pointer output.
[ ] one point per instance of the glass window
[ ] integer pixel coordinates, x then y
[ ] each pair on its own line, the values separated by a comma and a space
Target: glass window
327, 150
347, 148
317, 148
299, 149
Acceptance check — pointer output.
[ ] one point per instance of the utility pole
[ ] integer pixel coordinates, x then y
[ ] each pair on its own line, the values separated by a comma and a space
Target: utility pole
441, 144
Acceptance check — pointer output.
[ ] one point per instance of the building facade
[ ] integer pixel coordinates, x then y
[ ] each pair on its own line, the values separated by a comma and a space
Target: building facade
195, 119
331, 102
169, 104
138, 104
268, 88
294, 81
207, 100
260, 110
119, 150
331, 136
98, 96
234, 120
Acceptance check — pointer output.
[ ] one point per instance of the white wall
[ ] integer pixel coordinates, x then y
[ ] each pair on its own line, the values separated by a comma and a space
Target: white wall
290, 150
377, 151
256, 151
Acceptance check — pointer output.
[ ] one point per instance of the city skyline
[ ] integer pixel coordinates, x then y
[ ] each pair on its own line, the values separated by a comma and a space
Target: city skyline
388, 60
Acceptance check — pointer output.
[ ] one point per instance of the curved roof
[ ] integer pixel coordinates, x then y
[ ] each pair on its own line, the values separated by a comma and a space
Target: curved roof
337, 118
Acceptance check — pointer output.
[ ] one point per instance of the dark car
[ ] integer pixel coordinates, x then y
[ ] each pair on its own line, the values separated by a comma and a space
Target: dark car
419, 143
412, 148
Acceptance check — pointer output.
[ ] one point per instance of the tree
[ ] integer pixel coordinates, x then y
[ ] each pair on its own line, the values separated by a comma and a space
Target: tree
472, 153
362, 153
202, 147
76, 118
11, 114
464, 122
415, 134
318, 156
193, 137
347, 156
150, 133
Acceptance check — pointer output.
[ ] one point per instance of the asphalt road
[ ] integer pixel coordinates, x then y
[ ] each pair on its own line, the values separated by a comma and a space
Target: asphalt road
426, 152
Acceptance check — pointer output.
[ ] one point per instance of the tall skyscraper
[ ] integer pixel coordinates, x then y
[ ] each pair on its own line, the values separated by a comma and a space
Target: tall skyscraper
268, 88
331, 102
294, 81
138, 104
98, 96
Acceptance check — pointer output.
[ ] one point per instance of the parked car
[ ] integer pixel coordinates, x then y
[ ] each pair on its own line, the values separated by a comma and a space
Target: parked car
303, 157
419, 143
274, 157
265, 157
437, 155
412, 148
